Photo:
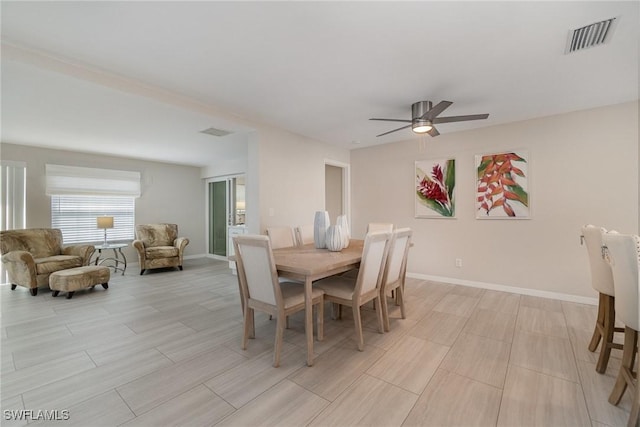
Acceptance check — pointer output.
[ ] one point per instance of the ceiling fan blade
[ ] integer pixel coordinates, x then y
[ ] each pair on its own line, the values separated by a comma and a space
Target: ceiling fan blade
433, 131
395, 130
460, 118
393, 120
435, 111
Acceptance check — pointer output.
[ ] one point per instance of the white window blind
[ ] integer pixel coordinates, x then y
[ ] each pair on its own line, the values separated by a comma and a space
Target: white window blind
77, 217
75, 180
14, 195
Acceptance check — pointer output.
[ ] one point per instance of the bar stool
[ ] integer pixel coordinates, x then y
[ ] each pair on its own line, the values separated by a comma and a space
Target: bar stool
601, 281
623, 254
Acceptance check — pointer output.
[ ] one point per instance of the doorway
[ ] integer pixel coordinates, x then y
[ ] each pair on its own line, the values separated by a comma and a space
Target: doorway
336, 190
226, 208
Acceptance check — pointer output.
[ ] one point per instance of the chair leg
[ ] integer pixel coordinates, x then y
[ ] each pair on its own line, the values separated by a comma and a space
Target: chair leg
320, 320
634, 416
280, 321
625, 375
13, 287
34, 291
378, 305
245, 330
597, 335
385, 311
607, 333
70, 295
142, 271
358, 325
400, 301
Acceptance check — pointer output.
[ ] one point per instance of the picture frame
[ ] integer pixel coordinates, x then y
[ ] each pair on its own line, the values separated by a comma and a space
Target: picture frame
434, 188
502, 185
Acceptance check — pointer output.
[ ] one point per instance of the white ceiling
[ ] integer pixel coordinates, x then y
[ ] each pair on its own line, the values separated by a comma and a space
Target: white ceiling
141, 79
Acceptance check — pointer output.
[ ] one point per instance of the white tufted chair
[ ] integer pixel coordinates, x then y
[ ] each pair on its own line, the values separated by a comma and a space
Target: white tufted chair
623, 254
602, 281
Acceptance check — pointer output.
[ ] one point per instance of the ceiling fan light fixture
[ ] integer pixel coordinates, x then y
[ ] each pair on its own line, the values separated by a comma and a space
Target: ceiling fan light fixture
422, 126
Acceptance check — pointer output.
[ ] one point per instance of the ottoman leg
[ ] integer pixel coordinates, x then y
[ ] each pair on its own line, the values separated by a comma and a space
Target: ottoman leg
105, 285
13, 287
69, 295
34, 291
55, 293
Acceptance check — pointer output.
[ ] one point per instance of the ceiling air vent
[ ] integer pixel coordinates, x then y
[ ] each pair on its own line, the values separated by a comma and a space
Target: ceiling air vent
216, 132
590, 35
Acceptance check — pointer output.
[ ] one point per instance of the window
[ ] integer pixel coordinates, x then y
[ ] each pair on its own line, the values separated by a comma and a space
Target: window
80, 195
77, 217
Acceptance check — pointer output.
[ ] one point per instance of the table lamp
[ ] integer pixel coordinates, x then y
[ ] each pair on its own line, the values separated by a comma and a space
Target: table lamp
105, 222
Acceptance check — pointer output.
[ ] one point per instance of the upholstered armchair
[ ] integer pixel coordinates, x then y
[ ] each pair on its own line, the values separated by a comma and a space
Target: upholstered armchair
159, 246
31, 255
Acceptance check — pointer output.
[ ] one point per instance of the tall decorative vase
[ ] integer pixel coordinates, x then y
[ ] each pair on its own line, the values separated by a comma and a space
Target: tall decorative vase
320, 225
346, 233
334, 238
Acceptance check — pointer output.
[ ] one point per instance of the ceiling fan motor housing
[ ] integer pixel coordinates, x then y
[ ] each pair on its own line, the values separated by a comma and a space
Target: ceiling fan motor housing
420, 108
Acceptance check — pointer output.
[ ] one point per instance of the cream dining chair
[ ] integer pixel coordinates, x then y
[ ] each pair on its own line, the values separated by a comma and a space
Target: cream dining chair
374, 227
262, 291
623, 254
304, 234
601, 281
355, 293
281, 237
395, 272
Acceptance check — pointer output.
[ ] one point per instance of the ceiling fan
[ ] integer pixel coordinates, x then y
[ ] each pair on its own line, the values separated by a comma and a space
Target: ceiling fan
424, 116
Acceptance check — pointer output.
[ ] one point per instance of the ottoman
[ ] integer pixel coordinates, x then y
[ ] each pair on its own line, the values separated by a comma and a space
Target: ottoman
73, 279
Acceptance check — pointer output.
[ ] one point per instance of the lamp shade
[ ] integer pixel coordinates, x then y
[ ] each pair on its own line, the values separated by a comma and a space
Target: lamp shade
105, 222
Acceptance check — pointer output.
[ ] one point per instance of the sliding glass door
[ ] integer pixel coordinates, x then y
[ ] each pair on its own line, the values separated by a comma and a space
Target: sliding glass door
226, 208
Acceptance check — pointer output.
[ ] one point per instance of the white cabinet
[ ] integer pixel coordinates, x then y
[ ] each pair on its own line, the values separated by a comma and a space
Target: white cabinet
234, 230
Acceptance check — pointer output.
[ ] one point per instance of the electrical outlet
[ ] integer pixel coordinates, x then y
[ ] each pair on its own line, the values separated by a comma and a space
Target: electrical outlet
459, 262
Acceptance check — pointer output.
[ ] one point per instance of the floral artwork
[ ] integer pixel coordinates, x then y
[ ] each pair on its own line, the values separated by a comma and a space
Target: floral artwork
434, 188
502, 186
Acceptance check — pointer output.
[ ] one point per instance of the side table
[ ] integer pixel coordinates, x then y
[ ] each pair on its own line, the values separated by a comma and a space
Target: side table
117, 258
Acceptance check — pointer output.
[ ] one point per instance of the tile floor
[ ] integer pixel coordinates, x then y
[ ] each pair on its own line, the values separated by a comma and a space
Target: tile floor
164, 349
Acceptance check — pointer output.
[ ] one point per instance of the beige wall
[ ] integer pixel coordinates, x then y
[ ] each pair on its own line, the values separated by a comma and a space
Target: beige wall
291, 177
583, 169
170, 193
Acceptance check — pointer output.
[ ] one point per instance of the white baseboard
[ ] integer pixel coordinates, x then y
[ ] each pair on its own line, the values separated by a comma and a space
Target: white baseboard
505, 288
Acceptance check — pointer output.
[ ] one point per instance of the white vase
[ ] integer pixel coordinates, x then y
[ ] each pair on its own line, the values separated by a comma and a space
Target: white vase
334, 238
346, 234
320, 225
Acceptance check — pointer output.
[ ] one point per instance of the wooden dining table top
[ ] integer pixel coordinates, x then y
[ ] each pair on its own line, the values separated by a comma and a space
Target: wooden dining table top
310, 261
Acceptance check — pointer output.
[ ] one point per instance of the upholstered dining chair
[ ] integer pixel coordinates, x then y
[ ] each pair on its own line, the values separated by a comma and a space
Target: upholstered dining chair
262, 291
343, 290
601, 281
394, 272
281, 237
304, 234
374, 227
623, 254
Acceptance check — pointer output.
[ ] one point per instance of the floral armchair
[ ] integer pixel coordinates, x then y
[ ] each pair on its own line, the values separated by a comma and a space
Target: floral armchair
159, 246
31, 255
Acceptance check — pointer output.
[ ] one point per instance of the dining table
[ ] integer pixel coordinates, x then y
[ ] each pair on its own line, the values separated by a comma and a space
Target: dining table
308, 263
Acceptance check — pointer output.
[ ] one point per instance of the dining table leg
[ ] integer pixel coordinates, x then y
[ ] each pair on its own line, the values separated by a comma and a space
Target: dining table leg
308, 319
